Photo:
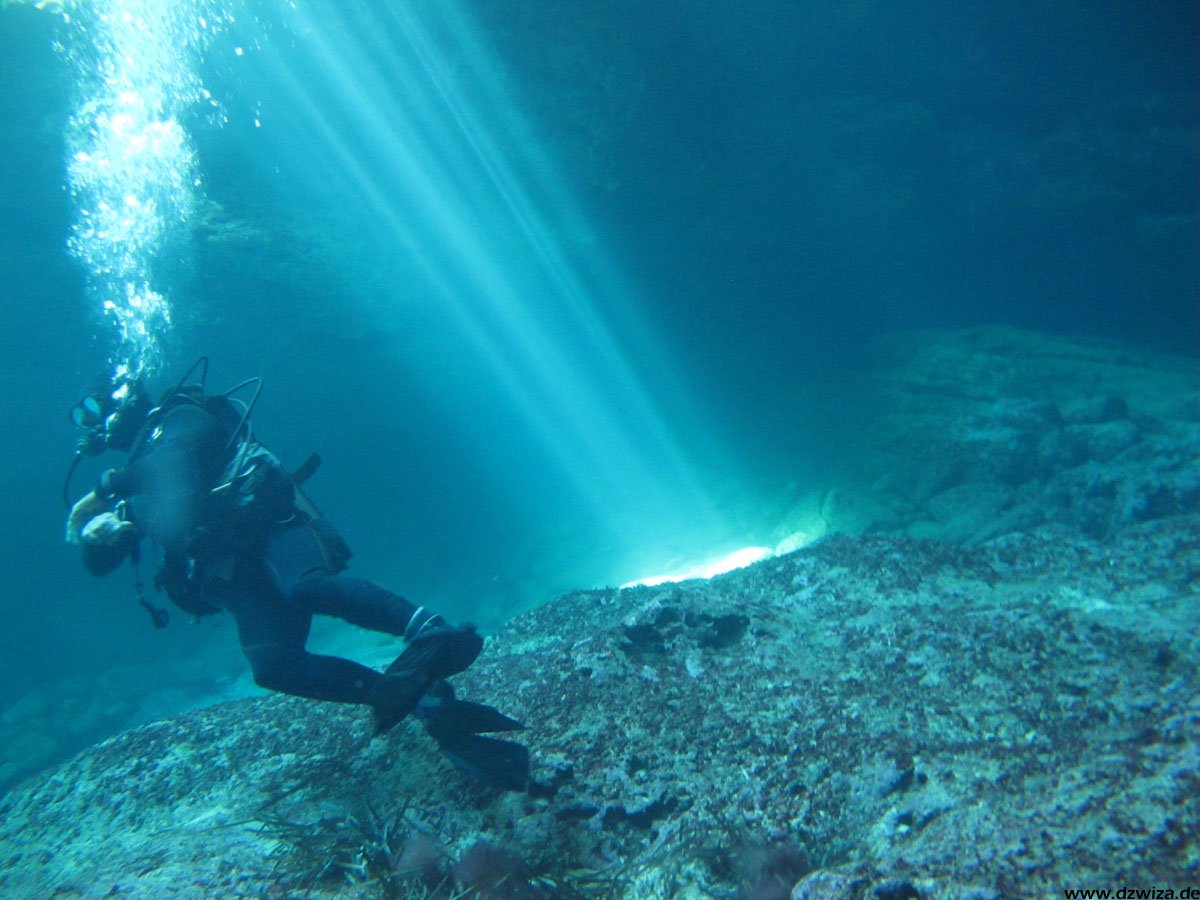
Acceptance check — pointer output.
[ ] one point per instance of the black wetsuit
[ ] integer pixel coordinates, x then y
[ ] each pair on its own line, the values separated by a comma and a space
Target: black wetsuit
270, 564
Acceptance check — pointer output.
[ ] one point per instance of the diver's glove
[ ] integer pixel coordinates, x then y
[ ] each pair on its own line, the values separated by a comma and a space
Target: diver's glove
109, 530
83, 512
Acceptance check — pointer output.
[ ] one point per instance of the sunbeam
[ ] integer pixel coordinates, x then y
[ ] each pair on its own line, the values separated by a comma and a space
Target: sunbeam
414, 115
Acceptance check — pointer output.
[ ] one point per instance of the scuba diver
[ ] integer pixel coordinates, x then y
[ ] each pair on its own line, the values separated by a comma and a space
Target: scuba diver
237, 533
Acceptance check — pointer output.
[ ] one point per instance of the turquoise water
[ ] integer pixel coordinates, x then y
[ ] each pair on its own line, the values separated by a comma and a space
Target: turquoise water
563, 293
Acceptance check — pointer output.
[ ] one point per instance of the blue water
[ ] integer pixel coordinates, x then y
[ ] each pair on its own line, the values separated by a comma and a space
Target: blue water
559, 290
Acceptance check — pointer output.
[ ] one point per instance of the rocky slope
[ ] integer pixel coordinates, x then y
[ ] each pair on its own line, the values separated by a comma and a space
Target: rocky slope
871, 716
996, 698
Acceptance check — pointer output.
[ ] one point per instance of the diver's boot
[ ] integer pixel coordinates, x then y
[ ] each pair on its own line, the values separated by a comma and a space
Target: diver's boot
436, 652
439, 652
394, 696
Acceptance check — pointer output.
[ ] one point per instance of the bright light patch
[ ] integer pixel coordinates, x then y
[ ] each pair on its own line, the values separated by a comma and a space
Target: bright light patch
738, 559
407, 112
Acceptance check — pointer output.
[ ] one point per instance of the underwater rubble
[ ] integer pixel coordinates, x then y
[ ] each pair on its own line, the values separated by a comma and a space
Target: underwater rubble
1007, 707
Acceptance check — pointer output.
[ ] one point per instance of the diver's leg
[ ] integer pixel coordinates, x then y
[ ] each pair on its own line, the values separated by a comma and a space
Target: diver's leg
434, 647
298, 564
363, 603
273, 632
299, 568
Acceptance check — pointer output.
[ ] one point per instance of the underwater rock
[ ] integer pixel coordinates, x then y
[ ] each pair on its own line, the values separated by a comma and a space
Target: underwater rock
1096, 410
1086, 433
966, 510
826, 885
1103, 441
912, 718
25, 708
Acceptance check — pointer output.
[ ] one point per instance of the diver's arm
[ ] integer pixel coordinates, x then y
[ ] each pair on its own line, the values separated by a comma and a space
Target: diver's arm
114, 484
135, 478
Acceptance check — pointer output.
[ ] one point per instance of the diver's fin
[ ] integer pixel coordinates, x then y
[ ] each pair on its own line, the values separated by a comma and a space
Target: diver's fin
477, 718
456, 725
443, 714
394, 697
500, 764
